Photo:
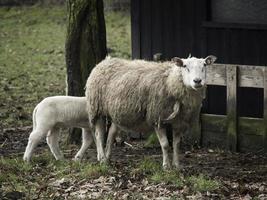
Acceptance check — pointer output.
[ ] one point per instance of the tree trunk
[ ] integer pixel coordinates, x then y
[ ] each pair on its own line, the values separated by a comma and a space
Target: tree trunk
85, 46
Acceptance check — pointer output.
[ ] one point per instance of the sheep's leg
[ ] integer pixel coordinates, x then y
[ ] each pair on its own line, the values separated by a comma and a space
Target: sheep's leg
53, 143
35, 137
111, 136
164, 143
176, 145
87, 141
99, 136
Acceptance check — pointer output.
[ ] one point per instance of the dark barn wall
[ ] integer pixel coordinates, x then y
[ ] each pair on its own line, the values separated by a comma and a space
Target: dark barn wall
180, 27
171, 27
235, 33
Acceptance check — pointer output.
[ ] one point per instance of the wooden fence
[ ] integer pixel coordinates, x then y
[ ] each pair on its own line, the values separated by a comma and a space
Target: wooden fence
231, 131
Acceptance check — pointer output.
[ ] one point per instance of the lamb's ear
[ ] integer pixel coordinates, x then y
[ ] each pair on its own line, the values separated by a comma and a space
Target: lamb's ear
210, 59
178, 61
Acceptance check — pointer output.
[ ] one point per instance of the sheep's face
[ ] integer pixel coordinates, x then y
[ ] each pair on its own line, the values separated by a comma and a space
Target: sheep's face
194, 70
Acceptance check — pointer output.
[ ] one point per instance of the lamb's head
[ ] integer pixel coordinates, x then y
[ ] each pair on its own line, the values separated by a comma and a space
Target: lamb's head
194, 70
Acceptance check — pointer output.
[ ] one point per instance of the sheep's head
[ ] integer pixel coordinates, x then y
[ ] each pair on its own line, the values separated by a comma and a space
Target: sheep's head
194, 70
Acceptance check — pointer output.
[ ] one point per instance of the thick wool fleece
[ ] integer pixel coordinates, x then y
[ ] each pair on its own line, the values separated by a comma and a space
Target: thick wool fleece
139, 95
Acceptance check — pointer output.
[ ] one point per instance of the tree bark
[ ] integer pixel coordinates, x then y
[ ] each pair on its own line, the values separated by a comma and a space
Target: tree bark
85, 46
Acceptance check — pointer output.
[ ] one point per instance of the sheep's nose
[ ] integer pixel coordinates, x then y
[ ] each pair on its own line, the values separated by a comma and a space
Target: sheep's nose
197, 80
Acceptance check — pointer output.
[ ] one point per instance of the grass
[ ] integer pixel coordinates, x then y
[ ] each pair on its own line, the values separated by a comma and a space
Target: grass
148, 166
118, 29
153, 171
31, 60
152, 141
78, 170
44, 171
202, 183
168, 177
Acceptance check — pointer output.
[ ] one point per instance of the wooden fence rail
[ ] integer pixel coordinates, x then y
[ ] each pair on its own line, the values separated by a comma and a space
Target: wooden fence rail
230, 131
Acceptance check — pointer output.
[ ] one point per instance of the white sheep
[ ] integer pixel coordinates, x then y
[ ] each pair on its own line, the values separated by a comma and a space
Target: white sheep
55, 112
142, 96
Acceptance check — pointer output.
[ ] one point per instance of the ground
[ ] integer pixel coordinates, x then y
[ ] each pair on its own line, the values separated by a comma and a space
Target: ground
32, 67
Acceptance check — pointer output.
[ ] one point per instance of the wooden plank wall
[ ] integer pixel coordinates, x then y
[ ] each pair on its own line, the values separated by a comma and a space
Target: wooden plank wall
171, 27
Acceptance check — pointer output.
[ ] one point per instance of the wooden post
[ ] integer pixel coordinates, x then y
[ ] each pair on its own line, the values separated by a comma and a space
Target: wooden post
231, 78
265, 109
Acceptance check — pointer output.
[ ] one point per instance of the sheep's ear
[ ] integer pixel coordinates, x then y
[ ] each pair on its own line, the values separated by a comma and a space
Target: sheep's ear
178, 61
210, 59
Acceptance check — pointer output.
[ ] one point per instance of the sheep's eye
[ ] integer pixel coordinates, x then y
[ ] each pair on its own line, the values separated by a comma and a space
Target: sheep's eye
205, 64
186, 68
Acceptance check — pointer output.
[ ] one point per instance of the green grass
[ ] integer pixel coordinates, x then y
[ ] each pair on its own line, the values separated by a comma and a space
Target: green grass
155, 174
152, 170
168, 177
148, 166
118, 34
31, 60
202, 183
44, 171
16, 175
79, 170
152, 141
32, 56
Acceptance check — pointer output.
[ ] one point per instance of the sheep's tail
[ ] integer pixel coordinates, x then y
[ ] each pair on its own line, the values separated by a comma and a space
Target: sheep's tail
34, 118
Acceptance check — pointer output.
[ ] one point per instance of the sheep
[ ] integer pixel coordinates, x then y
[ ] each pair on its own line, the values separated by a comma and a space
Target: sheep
143, 96
55, 112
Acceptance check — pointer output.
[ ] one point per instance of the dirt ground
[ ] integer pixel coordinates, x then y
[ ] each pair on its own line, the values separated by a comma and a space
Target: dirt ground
242, 176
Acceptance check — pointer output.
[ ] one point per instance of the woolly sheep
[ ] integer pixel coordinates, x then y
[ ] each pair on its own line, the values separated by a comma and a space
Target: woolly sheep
143, 96
51, 114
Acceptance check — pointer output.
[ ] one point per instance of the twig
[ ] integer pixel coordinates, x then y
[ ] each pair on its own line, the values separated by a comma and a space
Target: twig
3, 143
129, 144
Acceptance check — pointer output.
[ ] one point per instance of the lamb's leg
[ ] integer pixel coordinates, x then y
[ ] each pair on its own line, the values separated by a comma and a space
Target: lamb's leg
53, 143
34, 139
164, 143
176, 145
87, 141
111, 136
99, 136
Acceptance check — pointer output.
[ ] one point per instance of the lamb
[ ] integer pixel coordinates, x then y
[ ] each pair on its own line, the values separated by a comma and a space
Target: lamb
51, 114
143, 96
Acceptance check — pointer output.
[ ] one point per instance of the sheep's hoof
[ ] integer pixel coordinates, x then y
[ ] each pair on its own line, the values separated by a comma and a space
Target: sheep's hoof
77, 159
26, 159
61, 158
166, 167
178, 166
103, 160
